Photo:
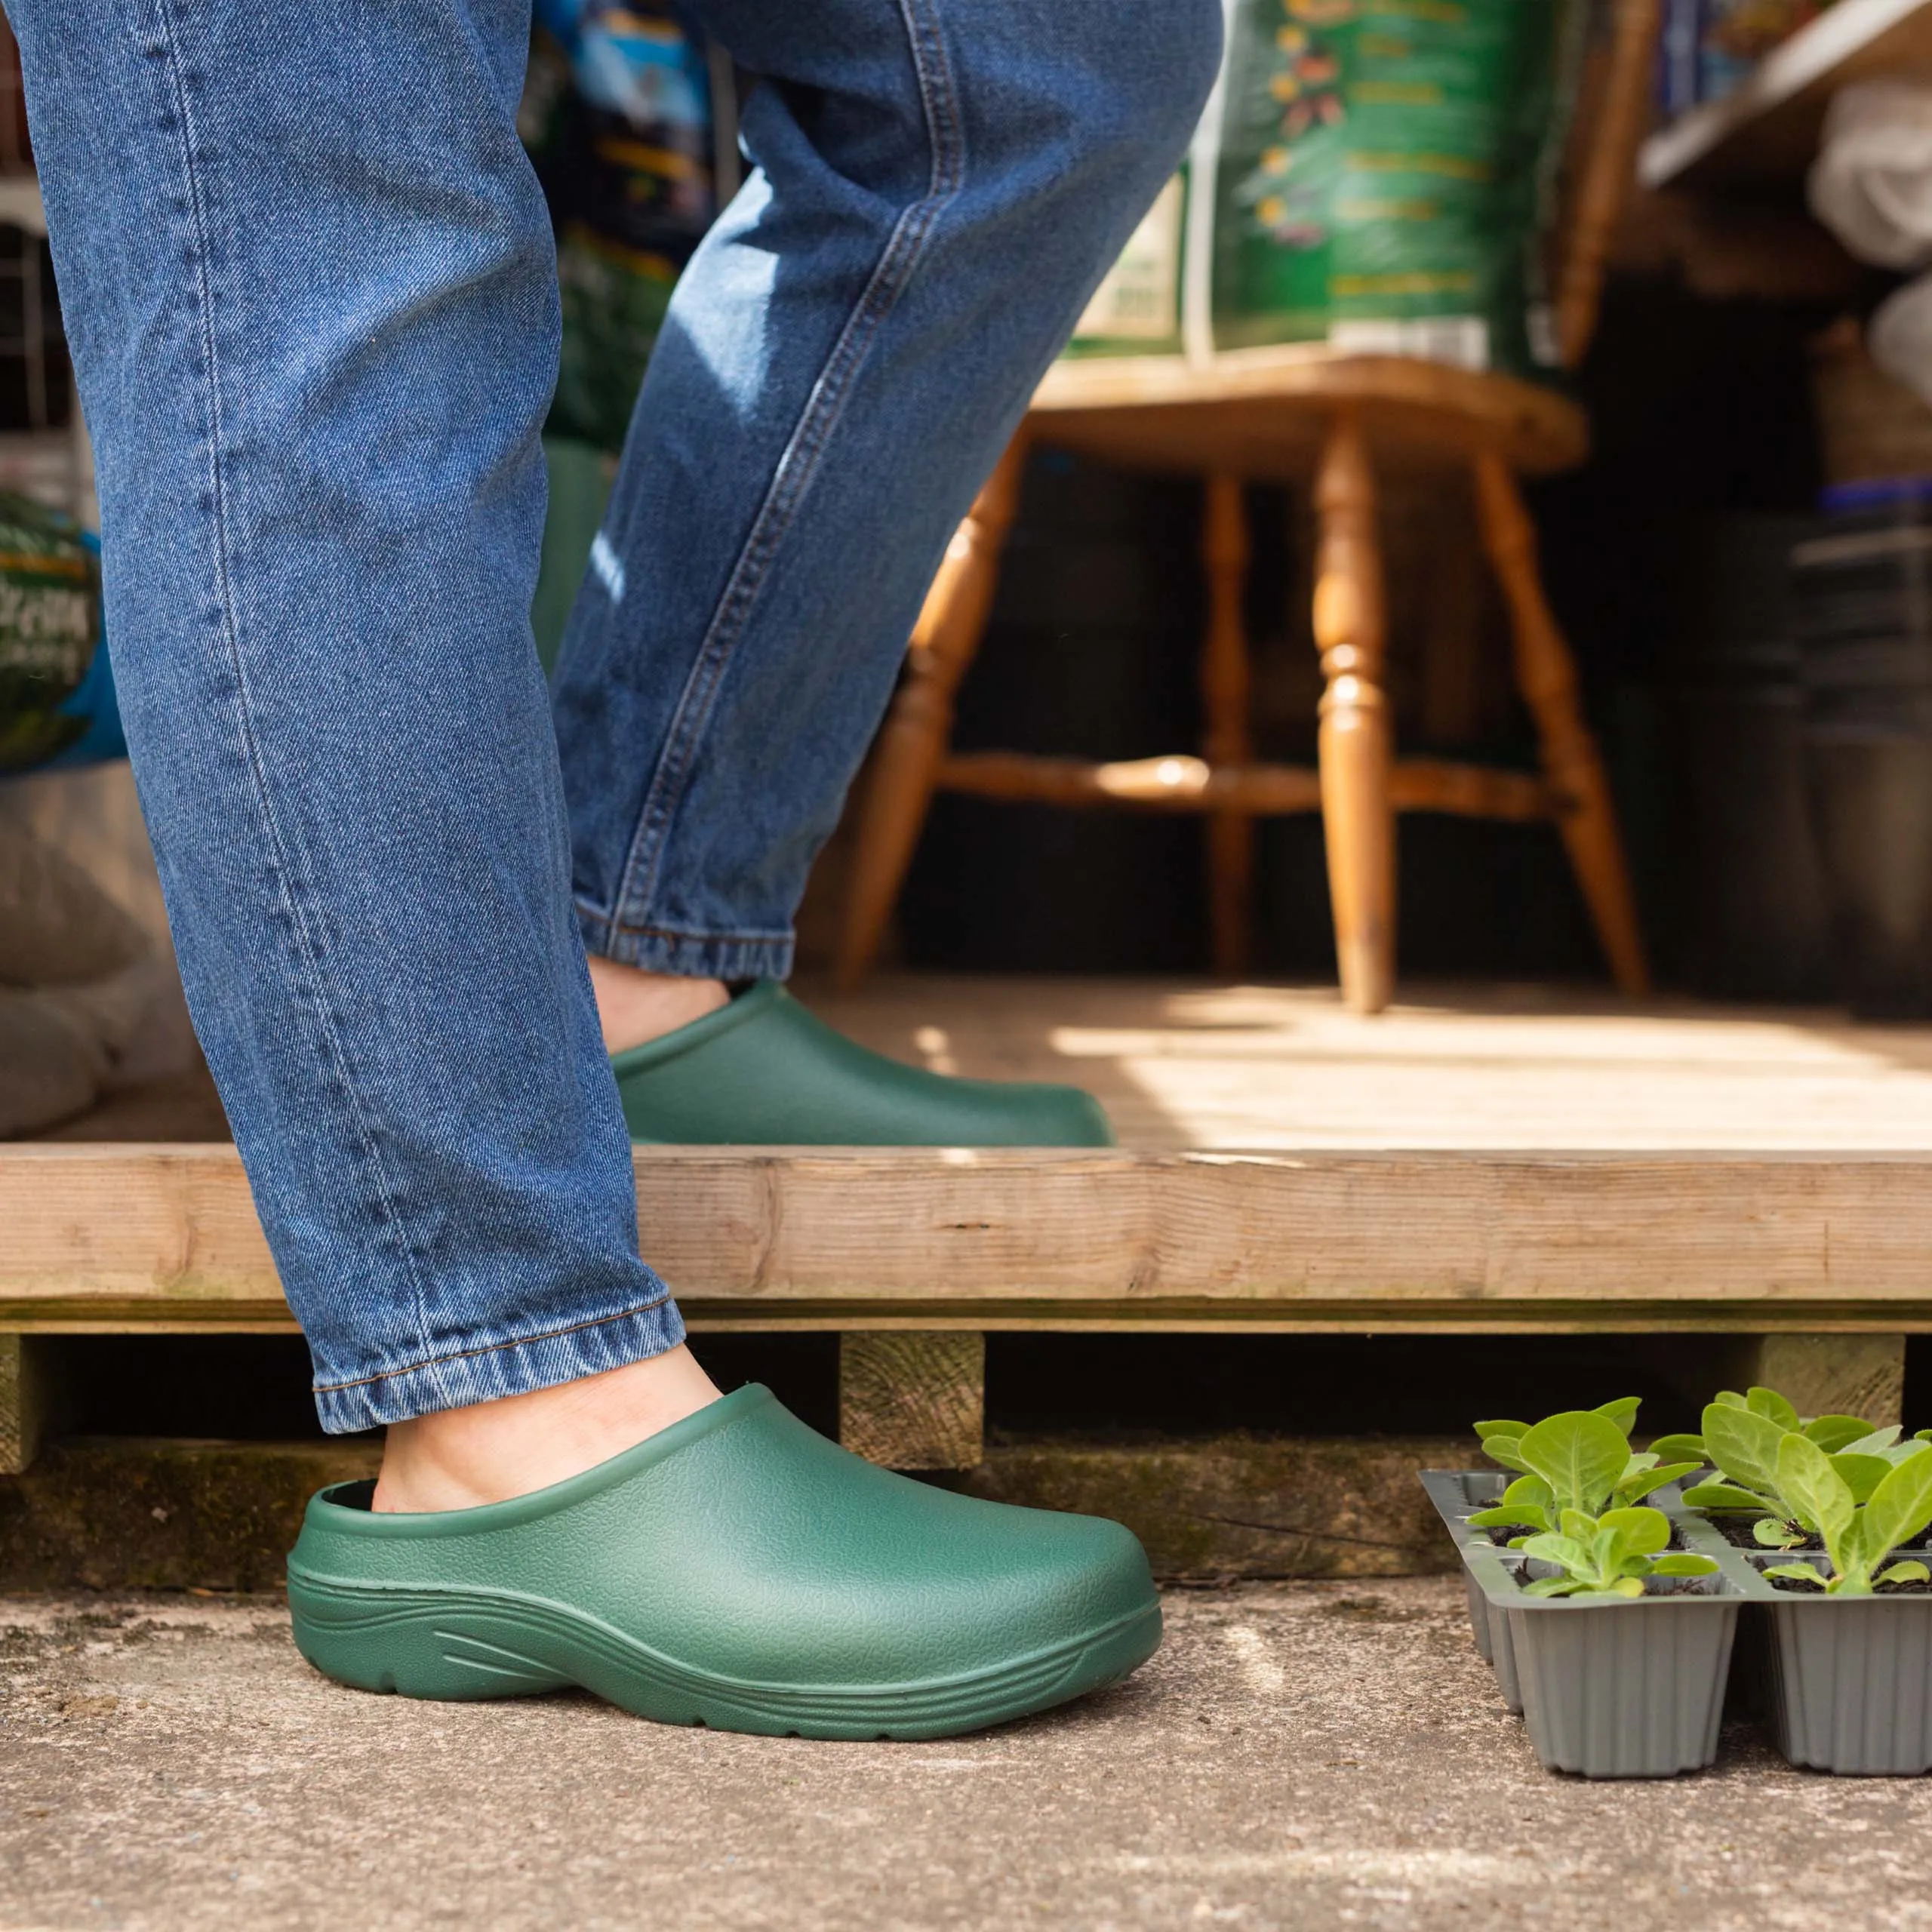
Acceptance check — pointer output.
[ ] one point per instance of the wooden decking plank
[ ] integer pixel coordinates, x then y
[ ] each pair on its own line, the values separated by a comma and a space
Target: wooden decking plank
137, 1236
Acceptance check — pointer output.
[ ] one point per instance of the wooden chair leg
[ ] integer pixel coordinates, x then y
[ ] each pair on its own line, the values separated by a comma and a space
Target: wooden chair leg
1225, 701
1357, 813
1547, 674
906, 760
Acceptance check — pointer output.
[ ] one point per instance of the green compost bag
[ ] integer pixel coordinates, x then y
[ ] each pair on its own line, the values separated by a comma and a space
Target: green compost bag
1376, 174
50, 633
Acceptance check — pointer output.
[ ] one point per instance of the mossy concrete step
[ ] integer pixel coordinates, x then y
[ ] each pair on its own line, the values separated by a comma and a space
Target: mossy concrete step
113, 1512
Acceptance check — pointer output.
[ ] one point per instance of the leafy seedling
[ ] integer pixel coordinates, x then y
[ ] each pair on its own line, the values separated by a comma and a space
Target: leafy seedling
1609, 1555
1859, 1533
1744, 1439
1579, 1459
1831, 1433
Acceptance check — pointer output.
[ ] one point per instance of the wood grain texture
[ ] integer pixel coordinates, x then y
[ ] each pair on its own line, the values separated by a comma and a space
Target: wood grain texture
1245, 1505
1357, 736
1822, 1375
1767, 129
25, 1399
126, 1512
131, 1238
1182, 783
1262, 413
1605, 155
913, 1401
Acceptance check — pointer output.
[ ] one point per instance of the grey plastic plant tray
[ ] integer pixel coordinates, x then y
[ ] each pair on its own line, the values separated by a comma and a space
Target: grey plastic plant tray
1457, 1495
1608, 1689
1850, 1678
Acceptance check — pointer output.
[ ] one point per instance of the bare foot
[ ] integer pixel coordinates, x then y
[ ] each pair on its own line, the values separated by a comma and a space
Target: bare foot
491, 1451
636, 1006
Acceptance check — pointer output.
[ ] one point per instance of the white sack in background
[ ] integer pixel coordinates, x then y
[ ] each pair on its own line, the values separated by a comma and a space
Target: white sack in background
89, 816
1899, 336
1872, 183
59, 1046
77, 976
58, 928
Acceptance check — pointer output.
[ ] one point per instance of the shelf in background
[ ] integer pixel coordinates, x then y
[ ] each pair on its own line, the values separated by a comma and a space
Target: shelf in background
1768, 131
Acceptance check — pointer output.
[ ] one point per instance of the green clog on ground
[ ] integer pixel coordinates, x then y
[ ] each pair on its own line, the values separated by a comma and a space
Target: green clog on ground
738, 1571
763, 1072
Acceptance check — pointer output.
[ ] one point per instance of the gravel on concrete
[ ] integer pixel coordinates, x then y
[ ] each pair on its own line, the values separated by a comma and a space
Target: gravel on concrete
1310, 1755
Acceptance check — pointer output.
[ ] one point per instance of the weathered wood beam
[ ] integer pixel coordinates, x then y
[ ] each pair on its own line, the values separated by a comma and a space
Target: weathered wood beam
118, 1237
913, 1400
133, 1513
1850, 1375
26, 1398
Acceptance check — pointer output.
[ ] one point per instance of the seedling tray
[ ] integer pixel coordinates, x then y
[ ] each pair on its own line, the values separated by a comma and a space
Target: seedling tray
1849, 1679
1458, 1494
1623, 1689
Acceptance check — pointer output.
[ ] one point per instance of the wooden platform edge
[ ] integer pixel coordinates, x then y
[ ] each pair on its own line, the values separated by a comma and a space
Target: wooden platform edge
121, 1237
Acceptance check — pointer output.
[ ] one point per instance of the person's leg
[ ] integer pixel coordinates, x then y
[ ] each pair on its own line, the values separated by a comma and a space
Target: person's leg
309, 281
309, 284
935, 190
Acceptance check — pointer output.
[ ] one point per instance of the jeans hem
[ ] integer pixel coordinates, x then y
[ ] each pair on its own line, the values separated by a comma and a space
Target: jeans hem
728, 956
512, 1366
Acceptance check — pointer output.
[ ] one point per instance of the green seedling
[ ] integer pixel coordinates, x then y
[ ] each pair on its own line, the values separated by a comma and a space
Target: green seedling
1859, 1533
1609, 1555
1578, 1460
1831, 1433
1743, 1439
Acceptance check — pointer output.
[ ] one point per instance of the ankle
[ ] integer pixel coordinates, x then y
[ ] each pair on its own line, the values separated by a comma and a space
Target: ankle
635, 1006
489, 1452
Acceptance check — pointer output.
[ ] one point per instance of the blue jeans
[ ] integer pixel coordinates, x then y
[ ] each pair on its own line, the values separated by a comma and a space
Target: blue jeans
310, 286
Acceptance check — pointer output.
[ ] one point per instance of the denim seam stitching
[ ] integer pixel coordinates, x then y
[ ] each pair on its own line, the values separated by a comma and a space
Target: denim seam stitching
278, 862
799, 463
491, 1348
682, 933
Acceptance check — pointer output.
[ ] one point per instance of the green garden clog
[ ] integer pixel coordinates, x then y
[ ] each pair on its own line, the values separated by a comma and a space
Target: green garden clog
736, 1570
763, 1072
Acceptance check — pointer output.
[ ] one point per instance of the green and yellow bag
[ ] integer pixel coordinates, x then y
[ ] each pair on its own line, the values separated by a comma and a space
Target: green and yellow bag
1380, 175
55, 691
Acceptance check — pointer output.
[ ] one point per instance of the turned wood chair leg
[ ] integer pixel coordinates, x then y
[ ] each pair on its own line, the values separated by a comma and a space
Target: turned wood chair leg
905, 762
1224, 702
1358, 812
1546, 673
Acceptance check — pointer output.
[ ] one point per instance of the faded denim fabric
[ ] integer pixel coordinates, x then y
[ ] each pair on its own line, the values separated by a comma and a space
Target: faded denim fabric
938, 186
310, 286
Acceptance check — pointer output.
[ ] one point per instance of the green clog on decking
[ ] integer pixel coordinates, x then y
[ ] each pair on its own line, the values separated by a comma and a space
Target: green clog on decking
762, 1070
737, 1570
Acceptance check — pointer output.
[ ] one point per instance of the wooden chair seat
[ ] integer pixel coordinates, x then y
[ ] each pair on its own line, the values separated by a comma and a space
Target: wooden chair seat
1263, 413
1295, 412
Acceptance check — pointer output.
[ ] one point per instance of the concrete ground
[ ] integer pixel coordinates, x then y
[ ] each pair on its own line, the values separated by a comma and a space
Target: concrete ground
1310, 1754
